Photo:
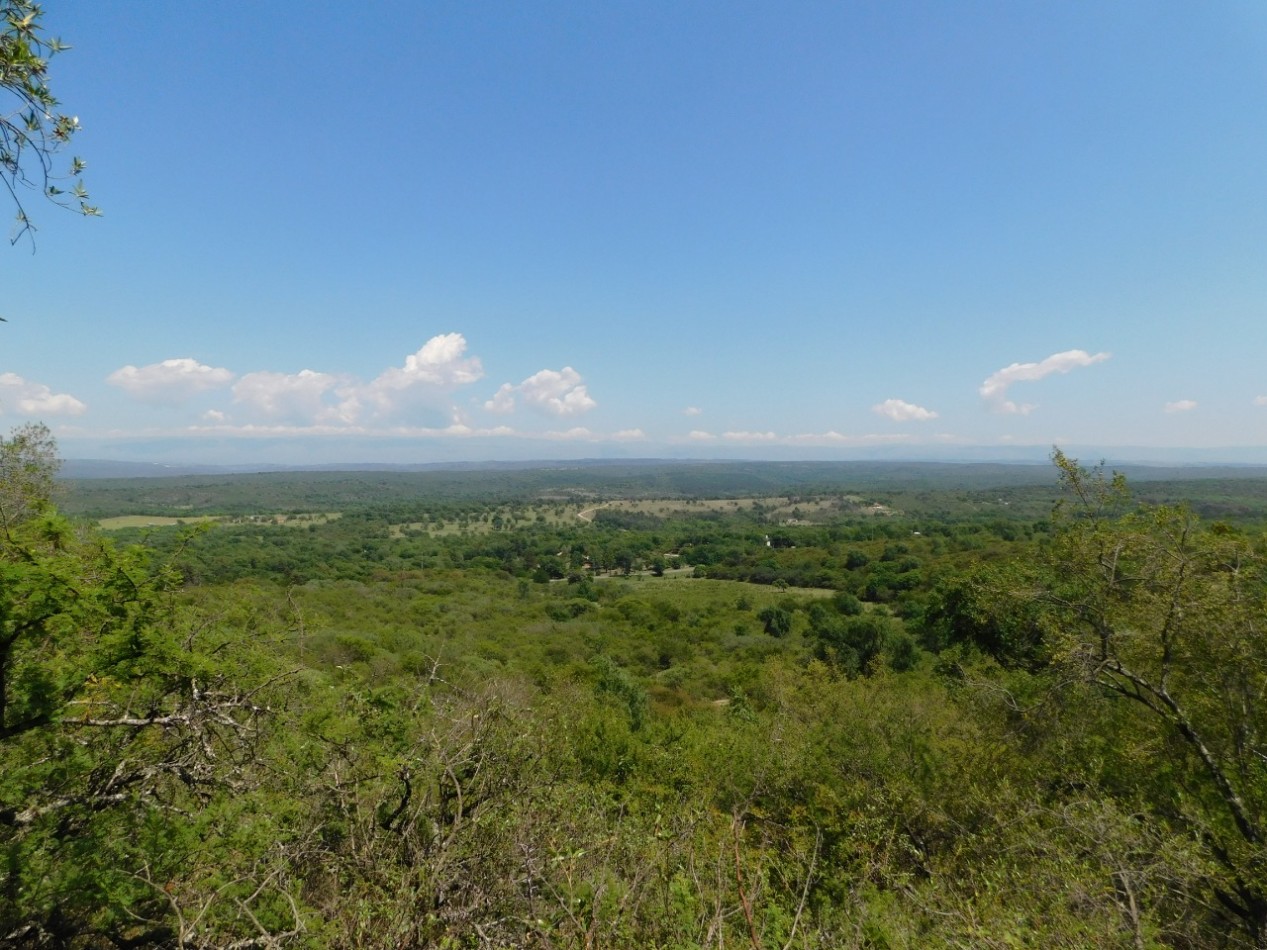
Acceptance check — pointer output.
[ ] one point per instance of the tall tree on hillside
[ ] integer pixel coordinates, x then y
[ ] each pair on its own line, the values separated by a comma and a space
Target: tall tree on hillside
1163, 620
124, 728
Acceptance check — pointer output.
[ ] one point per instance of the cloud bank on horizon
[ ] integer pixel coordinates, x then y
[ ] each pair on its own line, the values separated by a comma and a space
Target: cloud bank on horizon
175, 379
434, 394
401, 399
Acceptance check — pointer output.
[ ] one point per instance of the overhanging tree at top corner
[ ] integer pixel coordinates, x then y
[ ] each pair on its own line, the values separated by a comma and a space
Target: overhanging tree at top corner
33, 130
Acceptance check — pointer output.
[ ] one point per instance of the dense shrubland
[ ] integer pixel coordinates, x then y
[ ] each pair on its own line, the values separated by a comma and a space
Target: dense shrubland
868, 732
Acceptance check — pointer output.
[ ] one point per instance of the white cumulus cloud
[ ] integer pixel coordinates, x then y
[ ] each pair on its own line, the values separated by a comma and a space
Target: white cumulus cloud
415, 395
439, 367
170, 379
629, 435
503, 400
994, 389
901, 411
298, 397
557, 392
692, 411
1260, 400
1180, 405
441, 361
35, 398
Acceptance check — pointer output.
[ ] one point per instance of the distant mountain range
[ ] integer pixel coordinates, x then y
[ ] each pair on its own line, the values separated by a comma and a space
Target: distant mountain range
1145, 463
138, 458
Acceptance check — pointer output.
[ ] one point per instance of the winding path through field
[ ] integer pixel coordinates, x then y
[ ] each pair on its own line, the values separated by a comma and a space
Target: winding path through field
587, 514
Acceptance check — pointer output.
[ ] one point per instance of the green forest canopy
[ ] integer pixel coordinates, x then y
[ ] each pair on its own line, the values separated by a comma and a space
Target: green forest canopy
447, 719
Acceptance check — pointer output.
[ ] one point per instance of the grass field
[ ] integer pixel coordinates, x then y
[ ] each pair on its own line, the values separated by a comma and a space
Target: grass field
149, 521
676, 576
164, 521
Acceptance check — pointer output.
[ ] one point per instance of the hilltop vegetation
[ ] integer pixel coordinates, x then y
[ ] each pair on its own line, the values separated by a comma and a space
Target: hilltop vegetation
740, 706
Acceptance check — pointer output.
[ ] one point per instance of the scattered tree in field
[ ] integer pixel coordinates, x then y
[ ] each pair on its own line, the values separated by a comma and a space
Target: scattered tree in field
776, 620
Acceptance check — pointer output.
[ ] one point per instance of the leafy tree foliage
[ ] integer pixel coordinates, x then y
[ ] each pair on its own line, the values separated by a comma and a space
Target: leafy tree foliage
776, 620
32, 129
1145, 628
122, 733
1167, 615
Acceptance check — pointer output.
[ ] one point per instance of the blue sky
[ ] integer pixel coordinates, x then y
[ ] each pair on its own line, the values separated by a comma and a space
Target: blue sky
410, 231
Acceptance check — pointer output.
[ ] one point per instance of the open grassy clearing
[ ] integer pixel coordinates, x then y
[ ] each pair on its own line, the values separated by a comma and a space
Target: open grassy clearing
677, 575
149, 521
300, 520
